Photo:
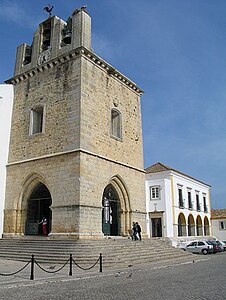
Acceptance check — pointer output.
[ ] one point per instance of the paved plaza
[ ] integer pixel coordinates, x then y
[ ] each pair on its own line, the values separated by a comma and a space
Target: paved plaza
203, 279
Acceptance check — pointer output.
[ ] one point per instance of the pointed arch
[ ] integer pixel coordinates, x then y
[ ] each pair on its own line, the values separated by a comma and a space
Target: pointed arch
30, 183
120, 191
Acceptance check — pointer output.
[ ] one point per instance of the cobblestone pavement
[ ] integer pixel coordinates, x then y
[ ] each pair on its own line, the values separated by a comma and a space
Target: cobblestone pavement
205, 279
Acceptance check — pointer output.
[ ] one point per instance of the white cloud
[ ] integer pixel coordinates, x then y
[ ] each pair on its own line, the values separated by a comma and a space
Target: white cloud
12, 12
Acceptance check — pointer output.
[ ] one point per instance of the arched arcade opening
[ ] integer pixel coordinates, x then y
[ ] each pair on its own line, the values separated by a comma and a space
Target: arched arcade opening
181, 225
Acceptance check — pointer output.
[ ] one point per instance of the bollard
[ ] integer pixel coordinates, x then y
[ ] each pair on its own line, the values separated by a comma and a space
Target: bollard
101, 269
32, 267
70, 268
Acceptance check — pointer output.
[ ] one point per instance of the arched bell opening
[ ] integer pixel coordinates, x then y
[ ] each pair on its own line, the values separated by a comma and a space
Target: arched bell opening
111, 212
38, 208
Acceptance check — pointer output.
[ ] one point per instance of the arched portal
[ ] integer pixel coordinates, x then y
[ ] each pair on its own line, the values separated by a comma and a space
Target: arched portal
191, 226
111, 211
181, 225
38, 207
206, 226
199, 226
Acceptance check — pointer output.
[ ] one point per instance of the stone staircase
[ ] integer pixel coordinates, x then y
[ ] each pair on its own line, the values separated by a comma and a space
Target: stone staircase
116, 252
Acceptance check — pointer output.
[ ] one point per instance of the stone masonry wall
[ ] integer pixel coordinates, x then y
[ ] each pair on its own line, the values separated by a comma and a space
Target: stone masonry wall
58, 89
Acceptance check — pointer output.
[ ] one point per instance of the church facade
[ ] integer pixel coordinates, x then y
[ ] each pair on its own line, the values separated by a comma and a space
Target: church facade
76, 151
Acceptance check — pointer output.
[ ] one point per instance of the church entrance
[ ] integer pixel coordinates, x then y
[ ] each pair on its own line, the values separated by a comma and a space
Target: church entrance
110, 212
38, 207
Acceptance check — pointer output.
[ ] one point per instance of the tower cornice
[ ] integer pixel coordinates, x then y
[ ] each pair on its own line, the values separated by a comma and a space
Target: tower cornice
81, 51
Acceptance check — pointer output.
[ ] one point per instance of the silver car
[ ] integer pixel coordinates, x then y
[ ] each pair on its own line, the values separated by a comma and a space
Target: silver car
199, 247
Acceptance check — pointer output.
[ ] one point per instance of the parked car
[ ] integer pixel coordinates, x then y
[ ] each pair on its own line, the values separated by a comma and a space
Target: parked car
224, 242
214, 244
221, 246
201, 247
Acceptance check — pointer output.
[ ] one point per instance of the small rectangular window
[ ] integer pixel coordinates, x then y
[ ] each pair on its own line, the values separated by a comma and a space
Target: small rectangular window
154, 192
116, 124
222, 225
36, 122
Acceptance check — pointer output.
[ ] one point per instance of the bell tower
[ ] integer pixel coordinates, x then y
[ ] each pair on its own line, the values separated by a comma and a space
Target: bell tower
76, 153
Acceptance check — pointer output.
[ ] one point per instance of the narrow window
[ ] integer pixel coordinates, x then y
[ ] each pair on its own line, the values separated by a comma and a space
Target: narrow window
204, 204
116, 124
197, 203
189, 200
181, 201
36, 124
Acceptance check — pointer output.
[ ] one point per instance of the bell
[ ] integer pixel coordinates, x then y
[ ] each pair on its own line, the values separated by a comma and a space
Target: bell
46, 39
67, 38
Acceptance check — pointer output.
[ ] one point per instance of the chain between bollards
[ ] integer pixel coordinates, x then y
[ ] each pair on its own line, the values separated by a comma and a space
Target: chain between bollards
101, 267
32, 267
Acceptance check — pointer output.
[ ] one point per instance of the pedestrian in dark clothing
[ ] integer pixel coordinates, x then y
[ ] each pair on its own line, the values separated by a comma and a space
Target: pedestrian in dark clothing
138, 229
134, 229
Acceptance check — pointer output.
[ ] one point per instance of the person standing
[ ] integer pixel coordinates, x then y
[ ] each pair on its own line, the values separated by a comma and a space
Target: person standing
138, 229
44, 225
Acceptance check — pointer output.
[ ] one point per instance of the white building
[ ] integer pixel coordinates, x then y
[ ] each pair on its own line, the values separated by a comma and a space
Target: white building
6, 101
178, 205
218, 221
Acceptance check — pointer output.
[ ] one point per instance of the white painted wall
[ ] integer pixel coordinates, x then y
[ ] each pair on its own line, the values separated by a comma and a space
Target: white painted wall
219, 233
6, 102
169, 201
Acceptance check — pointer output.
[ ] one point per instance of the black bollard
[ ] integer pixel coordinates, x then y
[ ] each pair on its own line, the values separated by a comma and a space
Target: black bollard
32, 267
70, 268
101, 269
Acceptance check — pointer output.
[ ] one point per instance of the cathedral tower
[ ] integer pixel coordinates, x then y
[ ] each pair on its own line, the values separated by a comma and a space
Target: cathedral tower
76, 154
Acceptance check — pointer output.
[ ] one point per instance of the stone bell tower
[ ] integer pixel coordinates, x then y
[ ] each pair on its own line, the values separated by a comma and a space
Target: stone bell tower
76, 154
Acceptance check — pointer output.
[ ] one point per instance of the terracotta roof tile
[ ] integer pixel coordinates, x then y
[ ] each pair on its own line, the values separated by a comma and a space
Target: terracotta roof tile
218, 213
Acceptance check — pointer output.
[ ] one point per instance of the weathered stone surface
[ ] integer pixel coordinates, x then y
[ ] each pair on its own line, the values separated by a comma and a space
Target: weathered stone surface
75, 156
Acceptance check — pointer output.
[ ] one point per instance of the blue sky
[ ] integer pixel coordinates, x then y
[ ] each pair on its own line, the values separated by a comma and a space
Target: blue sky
175, 50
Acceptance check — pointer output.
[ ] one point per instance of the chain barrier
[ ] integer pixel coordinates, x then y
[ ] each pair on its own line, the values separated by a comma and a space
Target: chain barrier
14, 273
85, 269
33, 262
51, 272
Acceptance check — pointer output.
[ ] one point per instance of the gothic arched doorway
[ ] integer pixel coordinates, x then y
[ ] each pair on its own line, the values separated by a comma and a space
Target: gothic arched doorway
38, 207
111, 212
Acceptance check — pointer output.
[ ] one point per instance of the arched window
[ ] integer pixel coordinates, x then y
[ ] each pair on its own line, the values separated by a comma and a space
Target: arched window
206, 226
116, 124
191, 226
36, 120
181, 225
199, 226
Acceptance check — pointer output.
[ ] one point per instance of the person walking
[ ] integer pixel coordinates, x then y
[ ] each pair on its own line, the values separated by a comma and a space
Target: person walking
134, 231
138, 229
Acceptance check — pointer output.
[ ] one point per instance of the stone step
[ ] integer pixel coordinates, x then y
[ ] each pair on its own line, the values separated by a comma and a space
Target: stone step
115, 252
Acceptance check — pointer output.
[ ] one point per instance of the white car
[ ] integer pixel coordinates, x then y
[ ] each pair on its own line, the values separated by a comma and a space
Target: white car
199, 247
